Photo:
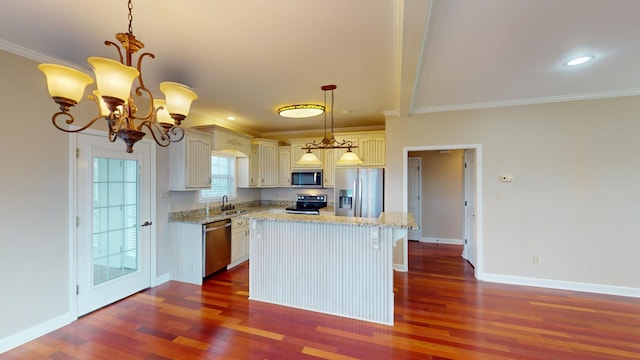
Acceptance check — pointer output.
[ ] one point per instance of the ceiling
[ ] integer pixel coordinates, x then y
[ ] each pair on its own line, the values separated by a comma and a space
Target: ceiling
387, 57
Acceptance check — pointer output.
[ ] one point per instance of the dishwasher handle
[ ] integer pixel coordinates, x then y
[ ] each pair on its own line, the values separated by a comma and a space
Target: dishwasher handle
217, 225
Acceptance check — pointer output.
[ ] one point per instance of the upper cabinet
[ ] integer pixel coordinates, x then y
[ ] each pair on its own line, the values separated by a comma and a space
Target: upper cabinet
267, 162
190, 162
228, 140
284, 166
372, 149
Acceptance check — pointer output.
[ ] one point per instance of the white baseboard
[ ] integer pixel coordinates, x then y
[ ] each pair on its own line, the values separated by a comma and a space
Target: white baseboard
442, 241
563, 285
162, 279
35, 332
238, 262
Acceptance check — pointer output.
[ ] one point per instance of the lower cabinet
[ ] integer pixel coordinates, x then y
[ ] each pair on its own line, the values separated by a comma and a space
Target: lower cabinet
239, 241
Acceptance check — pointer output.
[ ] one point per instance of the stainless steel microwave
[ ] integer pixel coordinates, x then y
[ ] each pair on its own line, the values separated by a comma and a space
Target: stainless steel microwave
306, 178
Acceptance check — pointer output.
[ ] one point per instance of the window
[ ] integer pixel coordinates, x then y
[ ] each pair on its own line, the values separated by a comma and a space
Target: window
223, 177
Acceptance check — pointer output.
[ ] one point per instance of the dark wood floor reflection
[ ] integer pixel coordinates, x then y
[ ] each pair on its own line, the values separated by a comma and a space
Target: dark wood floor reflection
442, 312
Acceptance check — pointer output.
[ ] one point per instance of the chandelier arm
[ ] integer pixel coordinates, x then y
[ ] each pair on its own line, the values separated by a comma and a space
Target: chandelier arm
150, 112
111, 43
139, 66
162, 140
70, 119
112, 135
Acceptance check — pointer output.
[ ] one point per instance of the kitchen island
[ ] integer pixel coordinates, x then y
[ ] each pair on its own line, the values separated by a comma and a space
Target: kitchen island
331, 264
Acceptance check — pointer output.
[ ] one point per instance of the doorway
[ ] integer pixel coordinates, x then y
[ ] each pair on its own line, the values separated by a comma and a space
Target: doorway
114, 221
472, 221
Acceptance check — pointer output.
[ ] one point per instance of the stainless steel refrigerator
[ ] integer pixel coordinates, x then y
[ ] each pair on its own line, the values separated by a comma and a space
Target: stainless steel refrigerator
359, 192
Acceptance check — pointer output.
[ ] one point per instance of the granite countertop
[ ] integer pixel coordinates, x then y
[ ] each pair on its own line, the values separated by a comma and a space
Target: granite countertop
393, 220
199, 216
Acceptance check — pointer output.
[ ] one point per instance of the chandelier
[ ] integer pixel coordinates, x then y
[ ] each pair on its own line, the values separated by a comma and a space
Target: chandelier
115, 98
348, 158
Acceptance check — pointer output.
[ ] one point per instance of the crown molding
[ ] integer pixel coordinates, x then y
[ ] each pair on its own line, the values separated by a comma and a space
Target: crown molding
531, 101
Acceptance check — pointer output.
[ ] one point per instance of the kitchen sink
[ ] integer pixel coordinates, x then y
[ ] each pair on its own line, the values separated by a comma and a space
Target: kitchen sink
234, 212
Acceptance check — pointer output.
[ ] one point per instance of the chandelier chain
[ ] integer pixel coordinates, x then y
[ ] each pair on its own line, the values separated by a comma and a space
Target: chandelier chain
130, 17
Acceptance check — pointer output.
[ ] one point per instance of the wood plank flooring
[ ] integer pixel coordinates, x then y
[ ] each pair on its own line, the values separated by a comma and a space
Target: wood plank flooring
442, 312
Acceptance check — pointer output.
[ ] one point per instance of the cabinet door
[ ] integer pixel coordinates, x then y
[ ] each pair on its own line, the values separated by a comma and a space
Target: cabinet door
297, 152
190, 162
254, 165
284, 166
269, 165
329, 167
372, 150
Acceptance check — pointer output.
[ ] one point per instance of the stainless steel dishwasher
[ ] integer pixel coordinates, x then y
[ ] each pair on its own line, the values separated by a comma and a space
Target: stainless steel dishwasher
216, 247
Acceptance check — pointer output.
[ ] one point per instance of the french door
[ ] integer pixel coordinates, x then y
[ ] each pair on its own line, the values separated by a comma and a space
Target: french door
114, 212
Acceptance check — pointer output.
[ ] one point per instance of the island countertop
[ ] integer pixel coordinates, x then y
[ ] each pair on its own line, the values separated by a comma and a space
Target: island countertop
386, 219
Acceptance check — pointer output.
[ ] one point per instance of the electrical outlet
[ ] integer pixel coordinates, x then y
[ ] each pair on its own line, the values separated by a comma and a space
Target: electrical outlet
536, 260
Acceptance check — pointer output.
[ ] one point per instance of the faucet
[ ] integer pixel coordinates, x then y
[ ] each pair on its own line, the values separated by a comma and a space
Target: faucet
223, 207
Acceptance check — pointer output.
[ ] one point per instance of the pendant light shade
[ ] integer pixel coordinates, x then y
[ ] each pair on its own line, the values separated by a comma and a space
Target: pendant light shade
309, 158
349, 158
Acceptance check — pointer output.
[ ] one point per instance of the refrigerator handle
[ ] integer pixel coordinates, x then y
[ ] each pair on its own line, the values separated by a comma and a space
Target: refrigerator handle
359, 197
355, 197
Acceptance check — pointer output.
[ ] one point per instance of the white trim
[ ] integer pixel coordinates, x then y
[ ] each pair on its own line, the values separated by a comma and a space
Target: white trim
36, 56
162, 279
530, 101
73, 229
563, 285
442, 241
479, 268
34, 332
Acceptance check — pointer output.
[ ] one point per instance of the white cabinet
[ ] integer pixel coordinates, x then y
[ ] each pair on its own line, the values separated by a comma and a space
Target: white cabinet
284, 166
263, 163
239, 241
190, 162
254, 165
297, 152
268, 163
330, 163
372, 150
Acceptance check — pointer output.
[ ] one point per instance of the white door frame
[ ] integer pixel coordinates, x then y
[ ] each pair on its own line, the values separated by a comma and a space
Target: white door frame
479, 269
418, 218
73, 207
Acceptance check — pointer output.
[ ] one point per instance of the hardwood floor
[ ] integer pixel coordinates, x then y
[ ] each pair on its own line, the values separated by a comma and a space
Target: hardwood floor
441, 313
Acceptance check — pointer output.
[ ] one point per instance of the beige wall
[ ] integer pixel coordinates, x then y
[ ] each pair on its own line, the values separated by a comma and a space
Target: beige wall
34, 210
574, 201
442, 195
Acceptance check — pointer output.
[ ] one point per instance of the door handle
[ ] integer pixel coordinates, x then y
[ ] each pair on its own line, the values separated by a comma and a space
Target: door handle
147, 223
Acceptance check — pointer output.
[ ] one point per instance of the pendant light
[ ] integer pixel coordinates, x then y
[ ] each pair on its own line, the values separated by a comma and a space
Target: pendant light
348, 158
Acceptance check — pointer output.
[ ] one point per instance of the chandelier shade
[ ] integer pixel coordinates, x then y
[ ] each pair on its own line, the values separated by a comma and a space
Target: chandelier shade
179, 98
161, 111
113, 78
65, 82
301, 110
114, 96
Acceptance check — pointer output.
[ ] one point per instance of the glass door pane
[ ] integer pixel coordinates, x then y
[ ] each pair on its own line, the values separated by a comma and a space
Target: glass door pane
115, 215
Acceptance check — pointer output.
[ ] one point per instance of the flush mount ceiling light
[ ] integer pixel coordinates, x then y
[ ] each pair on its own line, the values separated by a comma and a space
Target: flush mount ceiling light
115, 98
580, 60
301, 110
348, 158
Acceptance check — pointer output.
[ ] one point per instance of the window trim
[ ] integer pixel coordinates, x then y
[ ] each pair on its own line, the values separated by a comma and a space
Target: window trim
234, 184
